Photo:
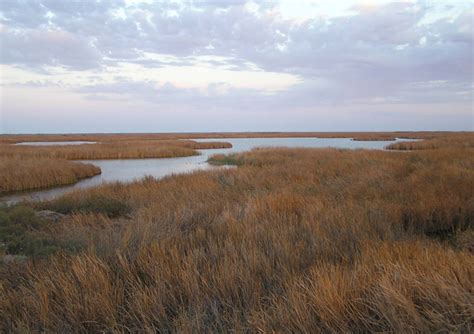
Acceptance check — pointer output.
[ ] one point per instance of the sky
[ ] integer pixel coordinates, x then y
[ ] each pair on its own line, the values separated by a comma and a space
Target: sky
234, 65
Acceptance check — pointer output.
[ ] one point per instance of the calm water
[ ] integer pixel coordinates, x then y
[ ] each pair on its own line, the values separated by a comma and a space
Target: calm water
53, 143
133, 169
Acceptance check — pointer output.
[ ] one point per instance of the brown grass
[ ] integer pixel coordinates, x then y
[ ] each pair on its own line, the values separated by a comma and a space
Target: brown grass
113, 150
18, 174
464, 140
292, 240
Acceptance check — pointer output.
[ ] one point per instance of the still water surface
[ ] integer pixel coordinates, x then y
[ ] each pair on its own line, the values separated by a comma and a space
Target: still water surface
133, 169
53, 143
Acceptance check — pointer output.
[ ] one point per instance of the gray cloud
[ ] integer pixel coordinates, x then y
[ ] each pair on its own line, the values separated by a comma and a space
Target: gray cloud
386, 53
40, 47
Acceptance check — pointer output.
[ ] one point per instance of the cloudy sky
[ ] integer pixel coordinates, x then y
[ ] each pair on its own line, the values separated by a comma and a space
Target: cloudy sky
151, 66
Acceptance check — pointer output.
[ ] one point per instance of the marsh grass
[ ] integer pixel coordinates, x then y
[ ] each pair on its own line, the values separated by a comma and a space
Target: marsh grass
33, 167
22, 173
222, 135
225, 159
459, 140
112, 150
293, 240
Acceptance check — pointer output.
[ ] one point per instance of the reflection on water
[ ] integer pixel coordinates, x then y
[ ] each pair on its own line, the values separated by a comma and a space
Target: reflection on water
133, 169
53, 143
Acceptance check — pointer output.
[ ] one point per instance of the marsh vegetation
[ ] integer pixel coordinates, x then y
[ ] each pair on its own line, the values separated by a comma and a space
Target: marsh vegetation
292, 240
23, 173
33, 167
125, 160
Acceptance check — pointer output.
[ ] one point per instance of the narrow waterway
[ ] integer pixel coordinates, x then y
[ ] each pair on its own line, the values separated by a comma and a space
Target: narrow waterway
128, 170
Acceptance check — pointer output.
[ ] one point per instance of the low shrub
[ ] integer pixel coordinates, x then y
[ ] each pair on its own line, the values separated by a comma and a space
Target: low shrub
22, 233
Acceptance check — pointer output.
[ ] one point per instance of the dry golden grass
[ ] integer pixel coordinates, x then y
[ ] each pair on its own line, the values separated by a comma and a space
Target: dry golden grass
388, 288
113, 150
292, 240
459, 140
18, 174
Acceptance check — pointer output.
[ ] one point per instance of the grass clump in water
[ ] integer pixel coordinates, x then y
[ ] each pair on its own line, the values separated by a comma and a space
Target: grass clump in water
226, 159
90, 203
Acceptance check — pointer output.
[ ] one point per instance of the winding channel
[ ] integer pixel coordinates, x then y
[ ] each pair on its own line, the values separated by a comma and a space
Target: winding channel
128, 170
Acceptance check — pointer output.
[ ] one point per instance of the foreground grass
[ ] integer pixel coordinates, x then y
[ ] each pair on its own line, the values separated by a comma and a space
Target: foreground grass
293, 240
